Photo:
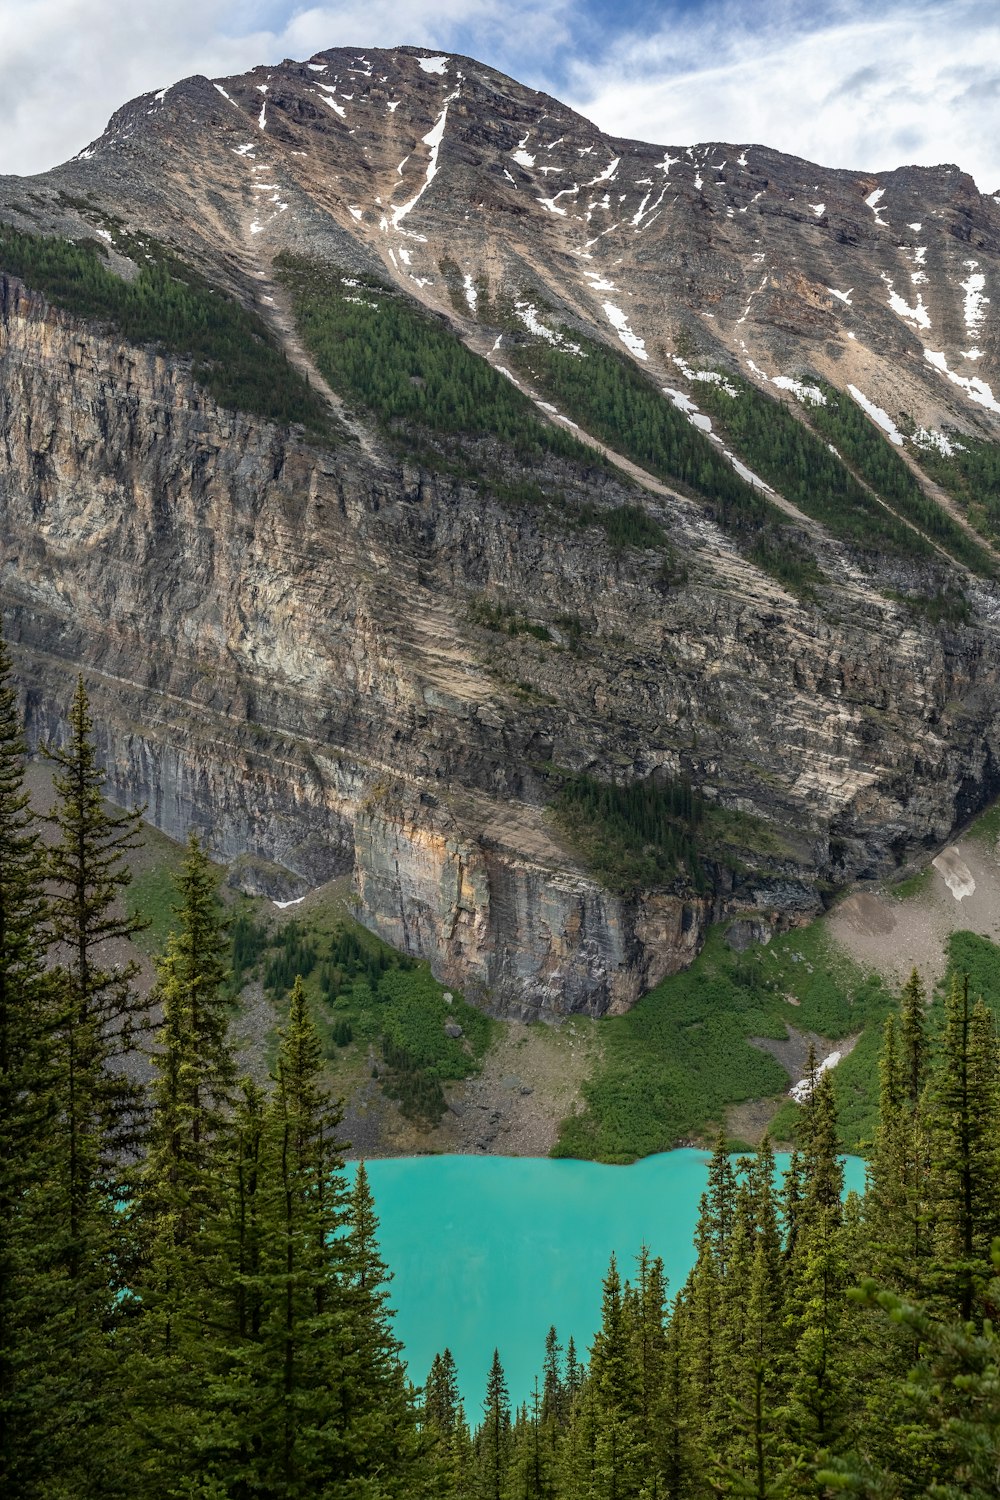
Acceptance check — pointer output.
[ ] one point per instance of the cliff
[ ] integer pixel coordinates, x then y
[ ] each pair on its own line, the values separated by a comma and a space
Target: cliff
289, 641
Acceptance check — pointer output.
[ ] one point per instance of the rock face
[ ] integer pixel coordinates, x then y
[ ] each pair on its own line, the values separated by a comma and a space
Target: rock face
281, 642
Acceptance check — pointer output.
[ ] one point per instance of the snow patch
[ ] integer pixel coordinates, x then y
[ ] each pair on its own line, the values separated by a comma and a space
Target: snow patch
355, 211
845, 297
433, 138
929, 438
955, 872
247, 150
878, 416
608, 175
810, 395
471, 295
528, 314
552, 204
224, 94
393, 104
284, 905
686, 405
434, 64
801, 1092
316, 67
103, 234
873, 200
523, 158
819, 209
619, 322
977, 390
974, 310
902, 309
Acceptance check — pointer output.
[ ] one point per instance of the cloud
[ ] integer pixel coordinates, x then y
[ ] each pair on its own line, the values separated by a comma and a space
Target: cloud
66, 65
870, 87
867, 85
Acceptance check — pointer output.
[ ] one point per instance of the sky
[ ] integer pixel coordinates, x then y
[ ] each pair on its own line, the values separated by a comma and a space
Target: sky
847, 84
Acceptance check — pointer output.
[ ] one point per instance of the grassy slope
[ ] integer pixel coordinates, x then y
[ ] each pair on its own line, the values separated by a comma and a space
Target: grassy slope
673, 1064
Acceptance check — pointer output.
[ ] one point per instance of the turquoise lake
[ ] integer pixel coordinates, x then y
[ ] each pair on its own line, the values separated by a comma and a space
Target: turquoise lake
487, 1251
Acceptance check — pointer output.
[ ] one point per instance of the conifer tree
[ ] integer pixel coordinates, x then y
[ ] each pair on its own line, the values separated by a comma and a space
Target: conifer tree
174, 1278
554, 1404
964, 1129
304, 1384
913, 1028
97, 1115
445, 1425
25, 1223
382, 1410
822, 1171
97, 1008
620, 1458
492, 1442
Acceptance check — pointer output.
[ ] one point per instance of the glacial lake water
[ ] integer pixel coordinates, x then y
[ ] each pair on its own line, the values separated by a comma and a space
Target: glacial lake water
487, 1251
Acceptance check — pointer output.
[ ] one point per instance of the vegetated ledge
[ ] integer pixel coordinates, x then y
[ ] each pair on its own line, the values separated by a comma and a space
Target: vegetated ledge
662, 833
171, 306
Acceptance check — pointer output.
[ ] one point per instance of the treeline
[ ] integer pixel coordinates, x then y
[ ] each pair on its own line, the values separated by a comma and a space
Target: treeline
817, 1347
192, 1303
167, 304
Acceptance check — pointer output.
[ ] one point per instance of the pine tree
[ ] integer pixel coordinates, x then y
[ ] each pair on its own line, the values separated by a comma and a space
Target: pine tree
25, 1221
822, 1171
620, 1457
305, 1386
492, 1442
192, 1096
964, 1128
445, 1425
96, 1125
913, 1022
382, 1411
98, 1008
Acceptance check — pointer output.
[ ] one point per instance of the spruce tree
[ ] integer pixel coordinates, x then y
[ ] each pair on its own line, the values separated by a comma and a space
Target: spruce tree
97, 1106
492, 1442
963, 1123
26, 1223
445, 1426
621, 1459
175, 1278
305, 1379
913, 1035
382, 1412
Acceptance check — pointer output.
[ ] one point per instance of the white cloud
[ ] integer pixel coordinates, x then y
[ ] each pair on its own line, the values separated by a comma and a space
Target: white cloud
867, 85
66, 65
875, 87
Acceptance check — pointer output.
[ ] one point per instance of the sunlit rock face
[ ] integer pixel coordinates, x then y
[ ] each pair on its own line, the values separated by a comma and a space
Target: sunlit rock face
282, 641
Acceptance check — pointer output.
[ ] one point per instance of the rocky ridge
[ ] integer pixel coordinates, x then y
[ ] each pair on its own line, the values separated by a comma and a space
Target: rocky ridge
282, 639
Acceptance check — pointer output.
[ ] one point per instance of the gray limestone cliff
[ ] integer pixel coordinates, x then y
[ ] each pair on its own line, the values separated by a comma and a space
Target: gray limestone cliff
285, 643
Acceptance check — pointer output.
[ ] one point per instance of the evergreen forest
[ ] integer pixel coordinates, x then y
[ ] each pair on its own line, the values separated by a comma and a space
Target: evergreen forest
193, 1302
170, 306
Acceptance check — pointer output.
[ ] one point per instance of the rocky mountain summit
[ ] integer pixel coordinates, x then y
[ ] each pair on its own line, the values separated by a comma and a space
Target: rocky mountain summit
549, 495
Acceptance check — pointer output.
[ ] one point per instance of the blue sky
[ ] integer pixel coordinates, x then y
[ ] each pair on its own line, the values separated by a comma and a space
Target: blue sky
848, 84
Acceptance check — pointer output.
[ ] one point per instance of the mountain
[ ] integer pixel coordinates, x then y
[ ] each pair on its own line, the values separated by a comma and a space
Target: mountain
577, 540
